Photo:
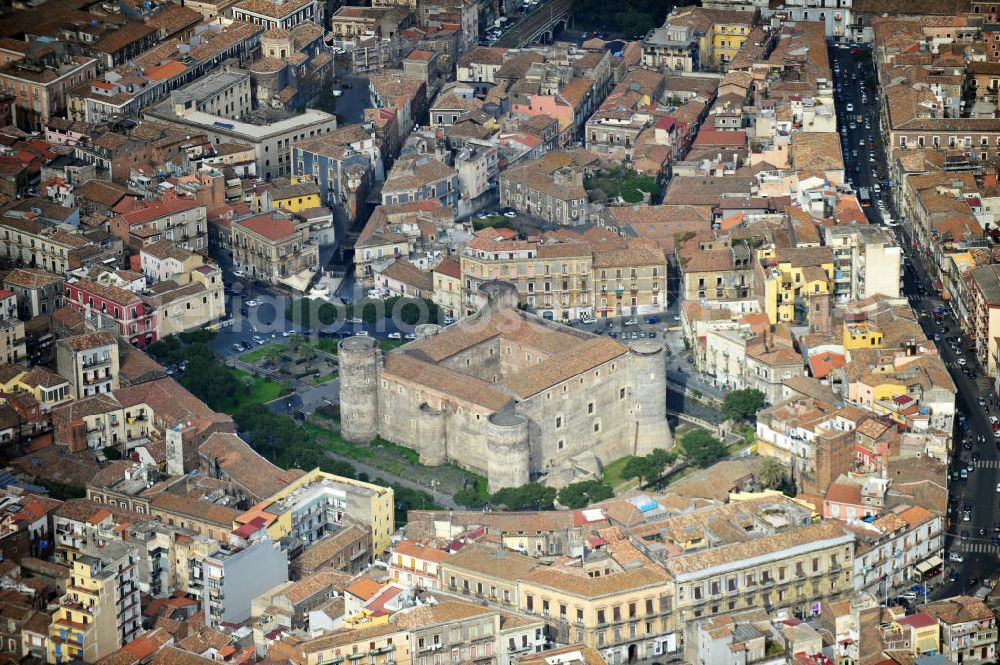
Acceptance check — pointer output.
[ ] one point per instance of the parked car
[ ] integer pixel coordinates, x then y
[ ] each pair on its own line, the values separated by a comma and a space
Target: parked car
632, 322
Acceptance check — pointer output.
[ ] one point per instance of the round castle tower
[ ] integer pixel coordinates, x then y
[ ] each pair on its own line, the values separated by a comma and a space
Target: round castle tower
359, 359
508, 451
432, 428
425, 330
649, 381
498, 295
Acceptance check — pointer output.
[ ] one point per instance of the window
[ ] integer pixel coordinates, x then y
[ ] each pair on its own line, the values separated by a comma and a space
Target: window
590, 407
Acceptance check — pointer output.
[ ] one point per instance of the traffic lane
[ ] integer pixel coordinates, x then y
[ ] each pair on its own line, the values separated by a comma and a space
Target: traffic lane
979, 489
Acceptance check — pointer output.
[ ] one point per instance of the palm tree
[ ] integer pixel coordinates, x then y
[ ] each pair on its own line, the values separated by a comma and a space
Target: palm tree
296, 341
771, 473
308, 352
271, 354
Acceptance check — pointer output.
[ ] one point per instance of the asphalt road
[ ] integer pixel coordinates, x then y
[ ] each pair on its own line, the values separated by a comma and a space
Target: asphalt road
979, 491
862, 148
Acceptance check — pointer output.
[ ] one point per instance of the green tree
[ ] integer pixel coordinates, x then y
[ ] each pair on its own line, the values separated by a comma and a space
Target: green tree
271, 354
702, 448
771, 473
296, 341
526, 497
743, 404
649, 467
307, 352
111, 452
469, 498
584, 493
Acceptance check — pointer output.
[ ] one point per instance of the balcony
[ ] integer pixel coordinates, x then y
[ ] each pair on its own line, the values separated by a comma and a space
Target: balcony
89, 362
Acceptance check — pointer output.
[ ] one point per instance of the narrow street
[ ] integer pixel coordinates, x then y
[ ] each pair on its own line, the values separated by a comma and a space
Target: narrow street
976, 540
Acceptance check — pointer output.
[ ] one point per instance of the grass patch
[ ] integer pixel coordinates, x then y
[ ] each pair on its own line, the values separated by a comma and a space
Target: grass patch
492, 222
613, 471
621, 182
260, 352
320, 380
333, 442
326, 345
260, 390
390, 344
412, 456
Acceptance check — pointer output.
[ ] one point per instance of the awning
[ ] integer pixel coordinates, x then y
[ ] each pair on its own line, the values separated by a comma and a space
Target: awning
929, 564
299, 281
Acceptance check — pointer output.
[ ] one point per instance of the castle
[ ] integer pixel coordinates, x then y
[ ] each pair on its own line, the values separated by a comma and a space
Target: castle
508, 394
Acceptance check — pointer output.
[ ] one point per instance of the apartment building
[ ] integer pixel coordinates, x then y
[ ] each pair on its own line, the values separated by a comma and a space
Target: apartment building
36, 244
968, 629
337, 164
39, 85
615, 126
134, 317
318, 503
486, 574
555, 194
164, 259
37, 291
715, 270
13, 346
623, 614
447, 295
792, 280
897, 548
867, 262
450, 630
795, 429
554, 278
179, 220
421, 178
379, 644
99, 613
414, 564
233, 577
270, 247
631, 280
89, 362
189, 302
983, 307
277, 14
798, 569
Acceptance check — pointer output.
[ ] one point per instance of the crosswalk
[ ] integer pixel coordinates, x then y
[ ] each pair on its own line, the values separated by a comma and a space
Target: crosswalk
975, 547
987, 464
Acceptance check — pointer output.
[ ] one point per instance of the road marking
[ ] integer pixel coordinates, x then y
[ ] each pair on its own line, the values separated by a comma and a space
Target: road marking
977, 548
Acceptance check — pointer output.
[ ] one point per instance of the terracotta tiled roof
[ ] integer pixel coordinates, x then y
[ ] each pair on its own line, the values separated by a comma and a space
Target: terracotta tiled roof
274, 226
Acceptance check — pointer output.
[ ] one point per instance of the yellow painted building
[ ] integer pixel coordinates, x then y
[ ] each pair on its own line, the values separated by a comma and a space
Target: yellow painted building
727, 38
861, 335
99, 612
294, 195
792, 278
293, 511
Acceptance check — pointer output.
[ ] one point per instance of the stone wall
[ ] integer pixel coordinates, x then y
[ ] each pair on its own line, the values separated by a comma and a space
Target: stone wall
588, 413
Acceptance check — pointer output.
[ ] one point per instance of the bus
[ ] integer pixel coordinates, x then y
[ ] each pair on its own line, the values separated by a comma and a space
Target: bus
864, 196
